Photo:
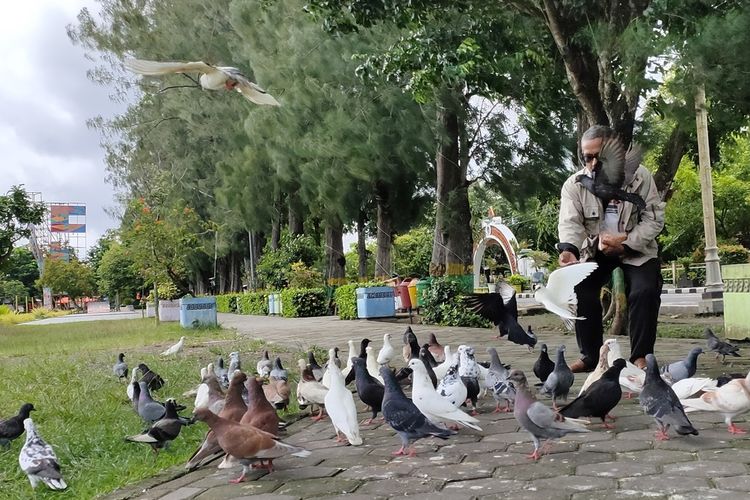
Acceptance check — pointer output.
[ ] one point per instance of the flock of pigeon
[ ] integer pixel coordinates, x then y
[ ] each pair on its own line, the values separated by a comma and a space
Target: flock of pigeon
241, 410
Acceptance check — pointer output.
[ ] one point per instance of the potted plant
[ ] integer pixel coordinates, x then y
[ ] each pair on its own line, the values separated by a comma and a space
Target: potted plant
518, 282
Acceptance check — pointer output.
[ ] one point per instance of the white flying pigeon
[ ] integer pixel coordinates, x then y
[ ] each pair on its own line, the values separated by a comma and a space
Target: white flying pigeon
212, 77
175, 348
38, 460
558, 296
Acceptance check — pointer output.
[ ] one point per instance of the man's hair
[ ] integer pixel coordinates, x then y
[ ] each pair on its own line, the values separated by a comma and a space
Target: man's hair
597, 132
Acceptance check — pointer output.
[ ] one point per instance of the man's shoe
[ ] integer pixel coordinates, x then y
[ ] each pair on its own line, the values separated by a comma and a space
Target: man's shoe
640, 363
579, 366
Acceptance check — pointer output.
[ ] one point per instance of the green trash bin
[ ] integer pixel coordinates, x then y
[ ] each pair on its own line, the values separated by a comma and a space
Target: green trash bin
422, 286
736, 301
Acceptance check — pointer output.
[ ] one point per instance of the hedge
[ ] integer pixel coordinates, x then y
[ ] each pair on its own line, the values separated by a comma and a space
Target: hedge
346, 298
255, 303
303, 302
444, 305
227, 303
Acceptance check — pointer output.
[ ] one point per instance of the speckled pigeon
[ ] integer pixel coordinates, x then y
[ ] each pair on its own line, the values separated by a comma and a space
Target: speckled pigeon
497, 382
38, 460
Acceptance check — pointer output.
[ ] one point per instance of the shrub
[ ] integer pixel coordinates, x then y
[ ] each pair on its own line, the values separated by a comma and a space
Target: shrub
518, 280
733, 254
274, 267
255, 303
303, 276
443, 305
303, 302
227, 303
5, 309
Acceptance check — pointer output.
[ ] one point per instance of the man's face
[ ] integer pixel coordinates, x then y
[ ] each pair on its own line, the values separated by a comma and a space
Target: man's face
590, 153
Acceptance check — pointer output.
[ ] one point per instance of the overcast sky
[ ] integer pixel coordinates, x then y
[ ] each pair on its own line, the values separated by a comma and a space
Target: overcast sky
45, 100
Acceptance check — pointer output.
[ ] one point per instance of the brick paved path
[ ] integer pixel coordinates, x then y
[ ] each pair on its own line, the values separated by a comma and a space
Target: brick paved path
624, 463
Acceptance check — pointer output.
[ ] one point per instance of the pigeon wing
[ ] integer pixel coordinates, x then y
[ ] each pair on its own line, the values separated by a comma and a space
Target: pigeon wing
612, 159
561, 283
153, 68
508, 294
488, 305
632, 161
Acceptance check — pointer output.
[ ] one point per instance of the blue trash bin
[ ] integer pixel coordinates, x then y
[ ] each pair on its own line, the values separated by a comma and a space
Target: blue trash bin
274, 304
197, 311
376, 302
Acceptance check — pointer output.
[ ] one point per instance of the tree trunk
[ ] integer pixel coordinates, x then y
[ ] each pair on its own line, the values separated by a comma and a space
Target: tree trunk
452, 246
620, 319
296, 219
384, 232
669, 161
276, 223
335, 259
361, 247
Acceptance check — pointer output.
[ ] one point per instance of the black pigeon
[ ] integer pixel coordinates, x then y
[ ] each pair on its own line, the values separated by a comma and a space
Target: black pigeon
369, 390
136, 395
426, 357
120, 368
12, 427
721, 348
600, 397
614, 169
404, 417
317, 370
502, 309
162, 431
152, 379
411, 346
560, 380
543, 366
363, 348
659, 401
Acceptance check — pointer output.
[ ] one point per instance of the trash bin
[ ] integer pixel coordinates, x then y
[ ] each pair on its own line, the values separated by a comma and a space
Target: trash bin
736, 301
413, 293
274, 304
422, 286
402, 292
375, 302
197, 311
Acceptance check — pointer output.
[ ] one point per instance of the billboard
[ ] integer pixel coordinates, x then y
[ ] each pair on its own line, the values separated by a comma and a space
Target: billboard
60, 218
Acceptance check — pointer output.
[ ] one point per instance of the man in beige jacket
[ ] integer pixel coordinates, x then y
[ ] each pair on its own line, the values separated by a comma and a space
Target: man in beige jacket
618, 235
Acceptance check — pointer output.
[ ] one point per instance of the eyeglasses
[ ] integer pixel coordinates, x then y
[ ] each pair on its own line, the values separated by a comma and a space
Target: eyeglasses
590, 158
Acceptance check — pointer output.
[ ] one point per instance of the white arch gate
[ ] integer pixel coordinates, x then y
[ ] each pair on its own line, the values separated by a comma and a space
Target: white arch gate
495, 233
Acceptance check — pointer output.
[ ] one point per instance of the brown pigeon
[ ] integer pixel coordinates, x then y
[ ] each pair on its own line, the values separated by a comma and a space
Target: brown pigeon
437, 350
247, 443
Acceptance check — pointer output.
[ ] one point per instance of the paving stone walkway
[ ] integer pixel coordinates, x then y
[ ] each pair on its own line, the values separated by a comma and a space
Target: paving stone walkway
623, 463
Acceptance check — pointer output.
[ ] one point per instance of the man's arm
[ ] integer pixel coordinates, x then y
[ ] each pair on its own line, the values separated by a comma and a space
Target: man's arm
651, 219
570, 228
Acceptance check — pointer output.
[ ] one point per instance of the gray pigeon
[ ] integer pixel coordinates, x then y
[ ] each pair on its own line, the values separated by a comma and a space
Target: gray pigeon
162, 431
38, 460
120, 368
560, 380
234, 362
148, 409
12, 427
721, 348
685, 368
279, 372
263, 367
404, 417
497, 382
659, 401
537, 419
221, 372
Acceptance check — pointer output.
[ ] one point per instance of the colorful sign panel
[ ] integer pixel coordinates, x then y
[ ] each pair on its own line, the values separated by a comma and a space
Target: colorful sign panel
59, 252
60, 218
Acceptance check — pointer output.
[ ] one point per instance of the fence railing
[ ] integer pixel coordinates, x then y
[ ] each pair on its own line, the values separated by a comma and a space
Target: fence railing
674, 275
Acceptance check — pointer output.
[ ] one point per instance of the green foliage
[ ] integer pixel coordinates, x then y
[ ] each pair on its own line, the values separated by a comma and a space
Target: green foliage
11, 289
255, 303
733, 254
166, 291
275, 267
412, 252
518, 280
443, 305
116, 273
17, 212
352, 261
22, 266
302, 276
346, 300
303, 302
68, 277
5, 309
227, 303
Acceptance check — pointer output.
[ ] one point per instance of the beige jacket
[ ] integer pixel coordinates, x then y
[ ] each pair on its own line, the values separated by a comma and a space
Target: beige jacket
581, 214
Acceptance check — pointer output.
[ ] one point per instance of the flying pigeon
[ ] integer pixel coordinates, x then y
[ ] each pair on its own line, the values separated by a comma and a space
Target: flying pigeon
317, 370
264, 365
162, 431
404, 416
731, 399
597, 373
120, 368
659, 401
246, 443
614, 169
543, 366
497, 382
212, 77
38, 460
537, 419
387, 352
369, 389
340, 406
154, 381
309, 390
685, 368
721, 348
561, 379
501, 309
12, 427
175, 348
599, 398
559, 296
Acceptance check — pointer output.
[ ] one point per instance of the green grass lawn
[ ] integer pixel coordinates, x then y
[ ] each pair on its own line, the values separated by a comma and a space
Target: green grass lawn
82, 410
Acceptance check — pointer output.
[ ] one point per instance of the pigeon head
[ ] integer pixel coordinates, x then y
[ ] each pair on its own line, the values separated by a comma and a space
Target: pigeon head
277, 363
265, 355
234, 354
518, 378
239, 378
544, 347
203, 414
26, 410
433, 339
652, 367
695, 351
406, 334
613, 372
387, 336
416, 364
301, 364
121, 357
389, 378
29, 427
359, 364
254, 387
708, 333
143, 367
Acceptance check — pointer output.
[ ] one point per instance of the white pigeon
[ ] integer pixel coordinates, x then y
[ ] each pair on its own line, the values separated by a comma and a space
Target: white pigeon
441, 369
340, 406
38, 460
372, 365
387, 352
129, 390
689, 386
175, 348
437, 409
451, 387
558, 296
212, 77
632, 378
599, 370
731, 399
310, 391
353, 353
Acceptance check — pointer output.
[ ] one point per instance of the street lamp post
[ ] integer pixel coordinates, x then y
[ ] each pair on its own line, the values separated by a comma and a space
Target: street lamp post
713, 296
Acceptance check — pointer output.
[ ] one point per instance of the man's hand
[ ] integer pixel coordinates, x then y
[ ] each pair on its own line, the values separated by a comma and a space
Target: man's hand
611, 244
566, 258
